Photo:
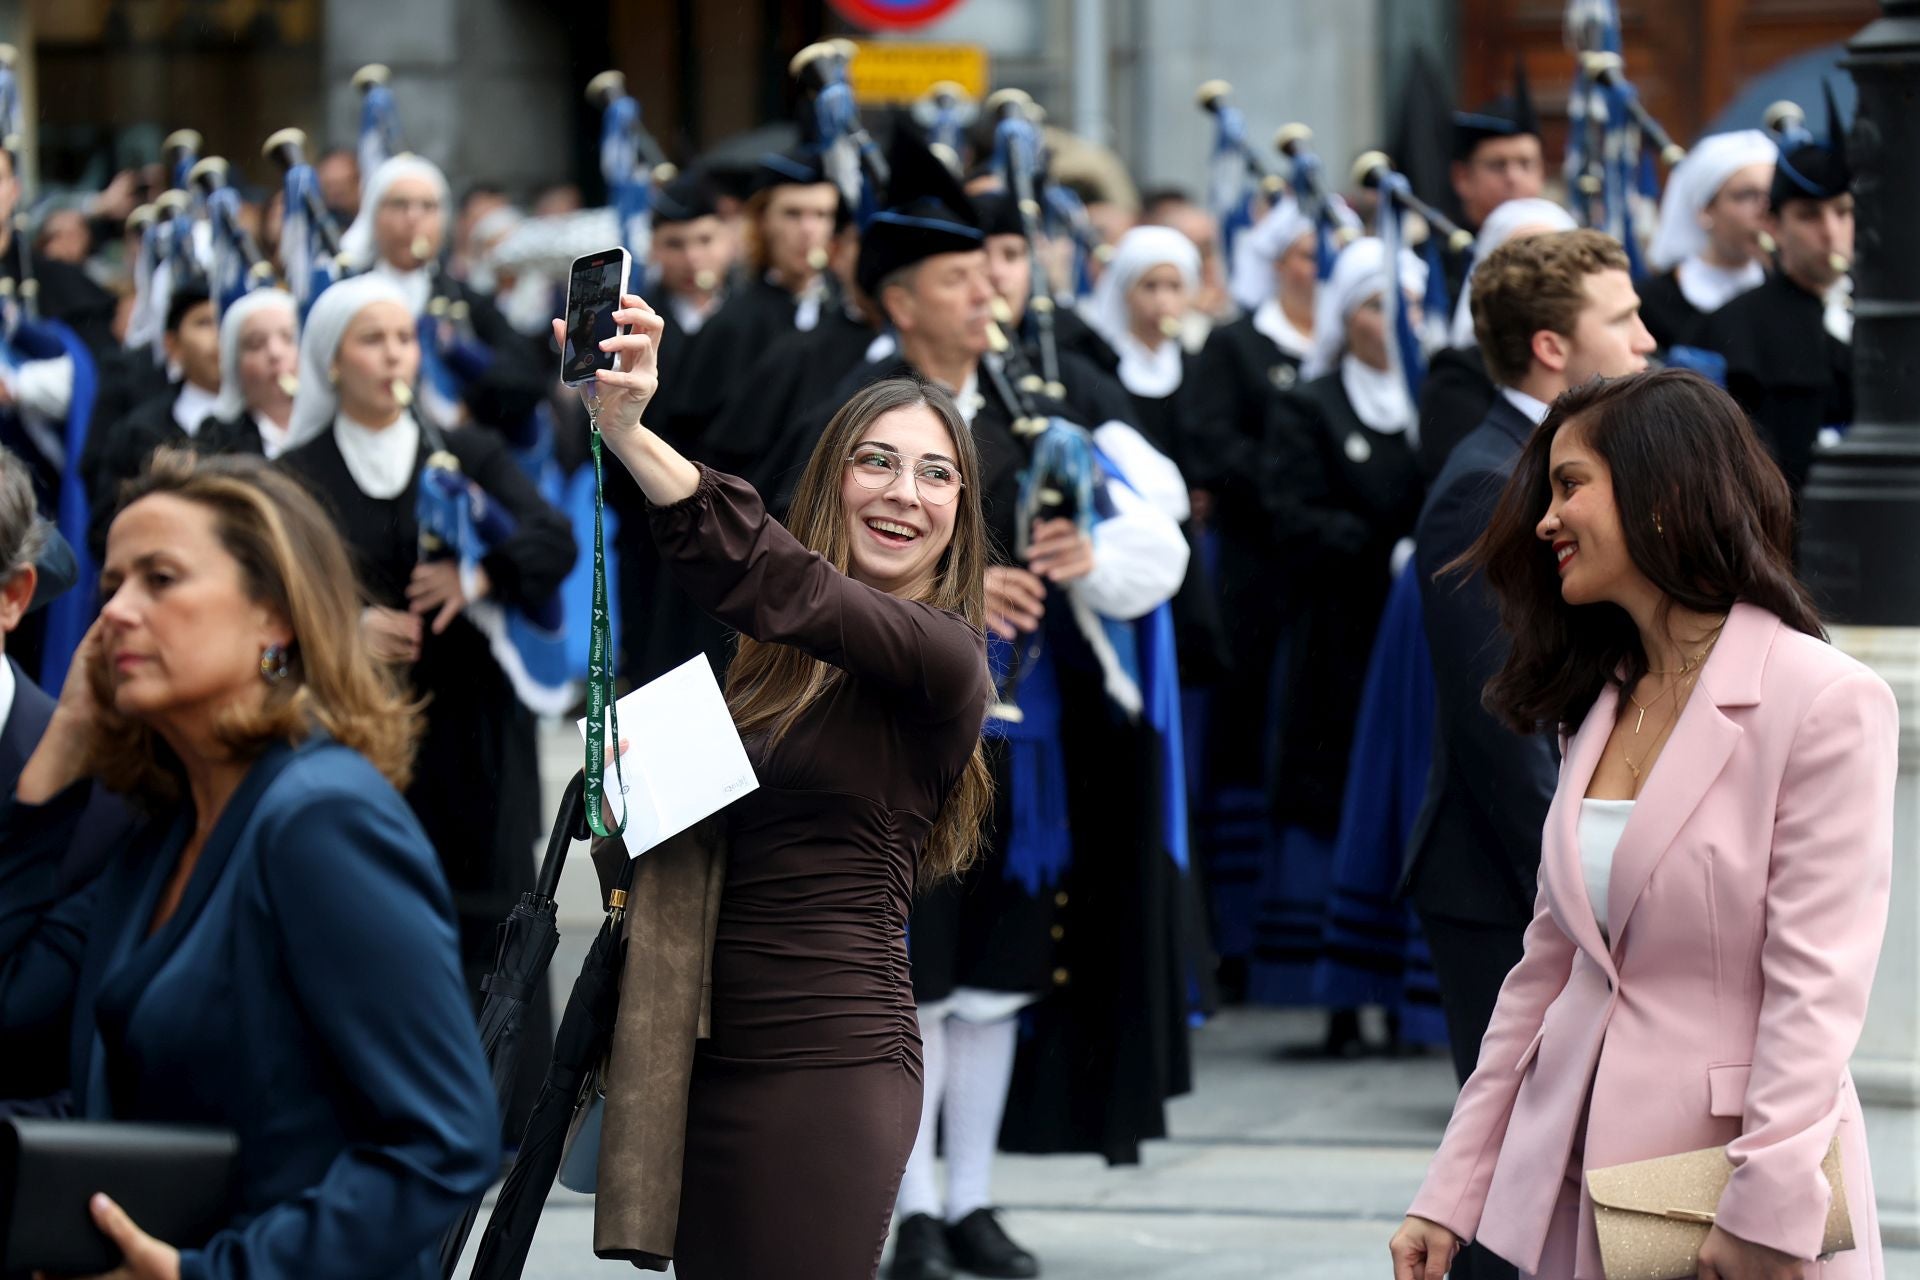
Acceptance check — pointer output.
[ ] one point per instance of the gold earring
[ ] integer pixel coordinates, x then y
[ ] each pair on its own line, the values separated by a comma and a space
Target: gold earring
1656, 525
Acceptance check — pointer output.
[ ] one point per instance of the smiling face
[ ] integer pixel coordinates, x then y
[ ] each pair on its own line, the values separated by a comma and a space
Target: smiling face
1582, 526
896, 536
181, 638
381, 346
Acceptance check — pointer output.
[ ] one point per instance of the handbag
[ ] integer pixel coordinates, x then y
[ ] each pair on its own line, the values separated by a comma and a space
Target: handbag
176, 1183
1652, 1216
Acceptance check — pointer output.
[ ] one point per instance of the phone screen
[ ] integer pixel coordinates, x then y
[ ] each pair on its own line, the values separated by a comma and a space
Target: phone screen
593, 293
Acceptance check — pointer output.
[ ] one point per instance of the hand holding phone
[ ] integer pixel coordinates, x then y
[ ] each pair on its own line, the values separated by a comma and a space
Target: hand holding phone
595, 285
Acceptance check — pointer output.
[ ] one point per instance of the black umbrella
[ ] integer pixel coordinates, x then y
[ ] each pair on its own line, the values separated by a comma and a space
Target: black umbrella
586, 1029
528, 937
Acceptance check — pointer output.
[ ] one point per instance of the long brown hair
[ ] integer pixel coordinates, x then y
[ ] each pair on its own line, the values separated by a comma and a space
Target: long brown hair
293, 562
769, 686
1680, 450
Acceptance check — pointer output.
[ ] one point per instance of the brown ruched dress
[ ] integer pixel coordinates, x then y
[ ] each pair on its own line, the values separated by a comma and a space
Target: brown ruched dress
805, 1101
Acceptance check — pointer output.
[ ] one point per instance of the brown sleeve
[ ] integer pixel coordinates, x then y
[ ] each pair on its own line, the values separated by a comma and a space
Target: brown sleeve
745, 569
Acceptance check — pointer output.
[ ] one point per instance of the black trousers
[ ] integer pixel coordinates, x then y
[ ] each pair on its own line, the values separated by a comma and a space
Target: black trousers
1471, 960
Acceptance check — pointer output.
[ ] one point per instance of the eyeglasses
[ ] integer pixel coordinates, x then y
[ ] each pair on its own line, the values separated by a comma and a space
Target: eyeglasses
877, 468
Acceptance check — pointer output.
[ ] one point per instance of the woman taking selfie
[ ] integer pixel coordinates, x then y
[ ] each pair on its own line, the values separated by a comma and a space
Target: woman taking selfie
272, 952
860, 689
1714, 869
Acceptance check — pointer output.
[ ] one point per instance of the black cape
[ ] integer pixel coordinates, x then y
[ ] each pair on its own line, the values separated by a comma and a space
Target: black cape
1785, 369
1339, 495
1453, 401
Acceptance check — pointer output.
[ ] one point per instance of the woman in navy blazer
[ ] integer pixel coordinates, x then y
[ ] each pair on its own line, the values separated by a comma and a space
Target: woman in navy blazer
274, 952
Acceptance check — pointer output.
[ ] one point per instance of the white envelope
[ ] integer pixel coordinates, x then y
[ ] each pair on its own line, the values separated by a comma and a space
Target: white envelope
684, 757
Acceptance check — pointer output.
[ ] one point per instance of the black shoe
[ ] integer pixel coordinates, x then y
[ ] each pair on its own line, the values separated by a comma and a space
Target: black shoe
1344, 1039
982, 1247
920, 1250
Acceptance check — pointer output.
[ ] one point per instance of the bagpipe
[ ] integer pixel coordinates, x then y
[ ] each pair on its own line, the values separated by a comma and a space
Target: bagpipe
459, 522
830, 126
1019, 156
380, 138
1611, 178
1237, 175
1333, 223
309, 237
1057, 482
944, 113
1407, 352
236, 264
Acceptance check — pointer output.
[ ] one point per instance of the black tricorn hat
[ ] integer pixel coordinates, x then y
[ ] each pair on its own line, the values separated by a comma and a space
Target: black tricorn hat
1508, 117
998, 213
687, 197
1810, 168
796, 166
927, 213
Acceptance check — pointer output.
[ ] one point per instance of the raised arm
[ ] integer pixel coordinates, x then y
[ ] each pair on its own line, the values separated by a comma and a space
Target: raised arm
742, 567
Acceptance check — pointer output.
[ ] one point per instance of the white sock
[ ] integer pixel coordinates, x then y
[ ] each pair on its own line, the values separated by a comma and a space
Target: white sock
979, 1069
919, 1189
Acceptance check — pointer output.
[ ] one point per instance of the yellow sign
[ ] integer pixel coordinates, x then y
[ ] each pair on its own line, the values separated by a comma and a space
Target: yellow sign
895, 71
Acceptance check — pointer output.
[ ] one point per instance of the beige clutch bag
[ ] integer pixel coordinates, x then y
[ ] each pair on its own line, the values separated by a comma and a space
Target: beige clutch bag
1652, 1216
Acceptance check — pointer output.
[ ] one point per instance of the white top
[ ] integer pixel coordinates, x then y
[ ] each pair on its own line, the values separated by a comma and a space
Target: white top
6, 692
1601, 822
380, 459
1710, 287
191, 407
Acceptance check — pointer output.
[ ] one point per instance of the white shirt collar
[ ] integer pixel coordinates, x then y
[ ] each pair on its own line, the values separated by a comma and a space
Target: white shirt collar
1150, 373
416, 284
688, 314
191, 407
968, 397
1535, 410
1709, 287
6, 692
1379, 397
380, 459
1272, 321
273, 436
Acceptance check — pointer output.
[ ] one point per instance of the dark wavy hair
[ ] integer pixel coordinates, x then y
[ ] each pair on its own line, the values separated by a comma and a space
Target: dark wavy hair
1678, 449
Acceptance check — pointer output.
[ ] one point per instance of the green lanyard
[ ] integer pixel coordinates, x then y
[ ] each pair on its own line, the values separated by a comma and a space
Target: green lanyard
600, 701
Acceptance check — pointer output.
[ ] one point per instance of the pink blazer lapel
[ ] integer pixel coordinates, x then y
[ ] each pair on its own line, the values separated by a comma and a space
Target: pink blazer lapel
1690, 763
1560, 852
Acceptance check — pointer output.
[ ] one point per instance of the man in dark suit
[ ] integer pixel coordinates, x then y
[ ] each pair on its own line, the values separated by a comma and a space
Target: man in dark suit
1550, 311
24, 707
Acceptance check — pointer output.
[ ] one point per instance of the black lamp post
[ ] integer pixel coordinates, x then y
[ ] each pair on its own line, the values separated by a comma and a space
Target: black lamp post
1860, 516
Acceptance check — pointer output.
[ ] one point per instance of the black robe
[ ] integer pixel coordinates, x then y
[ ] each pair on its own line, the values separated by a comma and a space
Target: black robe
125, 448
756, 314
1235, 379
1785, 369
1339, 495
1453, 401
1669, 316
476, 783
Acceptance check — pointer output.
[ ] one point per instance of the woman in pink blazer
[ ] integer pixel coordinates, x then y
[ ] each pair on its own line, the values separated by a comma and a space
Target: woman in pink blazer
1714, 869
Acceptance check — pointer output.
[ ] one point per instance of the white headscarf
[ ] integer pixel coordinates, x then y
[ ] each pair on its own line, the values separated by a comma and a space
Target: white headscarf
1359, 273
1151, 372
317, 403
1502, 225
1693, 184
232, 401
357, 248
1262, 245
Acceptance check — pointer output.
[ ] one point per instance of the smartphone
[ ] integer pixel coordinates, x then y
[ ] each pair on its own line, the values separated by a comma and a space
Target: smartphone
594, 286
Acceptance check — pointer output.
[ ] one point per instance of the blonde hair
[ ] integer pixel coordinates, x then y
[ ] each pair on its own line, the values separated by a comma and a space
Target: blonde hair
293, 562
769, 686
